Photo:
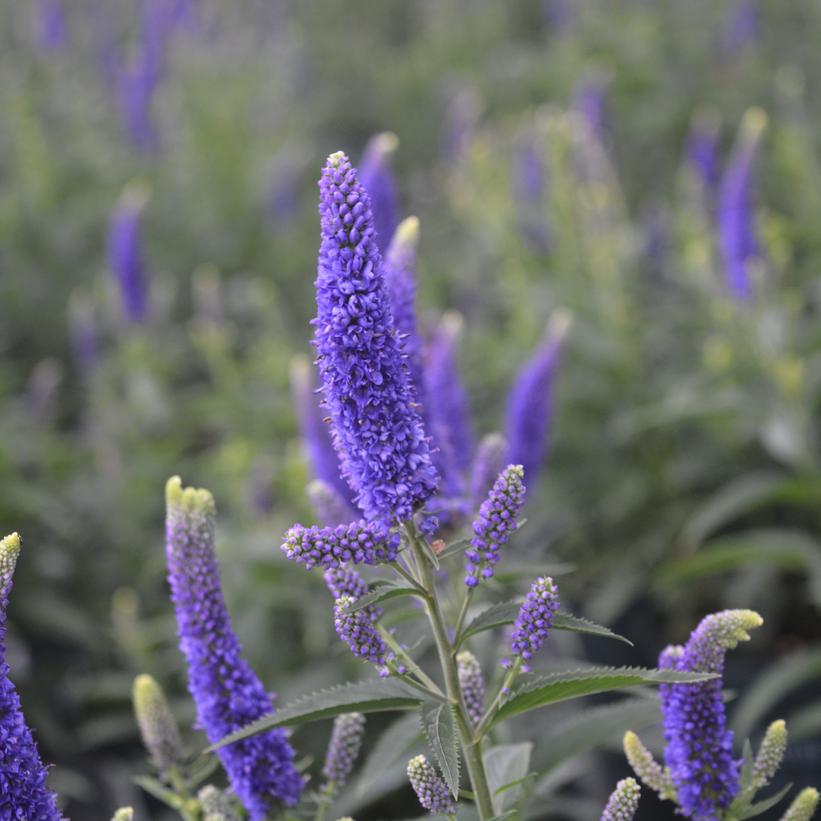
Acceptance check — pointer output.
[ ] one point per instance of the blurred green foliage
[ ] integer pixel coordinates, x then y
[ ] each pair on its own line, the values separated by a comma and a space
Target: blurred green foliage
684, 472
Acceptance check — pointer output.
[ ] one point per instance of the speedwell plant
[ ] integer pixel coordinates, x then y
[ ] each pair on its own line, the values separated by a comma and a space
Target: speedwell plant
398, 485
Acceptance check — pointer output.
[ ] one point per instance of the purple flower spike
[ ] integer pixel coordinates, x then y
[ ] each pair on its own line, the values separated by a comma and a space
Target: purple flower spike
699, 750
343, 749
400, 278
529, 404
357, 631
529, 184
358, 542
227, 693
430, 787
376, 177
590, 101
487, 465
23, 791
316, 432
53, 30
367, 390
736, 212
534, 620
125, 257
471, 684
624, 802
702, 149
495, 523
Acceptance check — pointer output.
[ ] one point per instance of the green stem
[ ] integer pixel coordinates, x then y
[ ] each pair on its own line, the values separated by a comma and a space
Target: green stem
429, 684
471, 746
325, 798
487, 718
460, 621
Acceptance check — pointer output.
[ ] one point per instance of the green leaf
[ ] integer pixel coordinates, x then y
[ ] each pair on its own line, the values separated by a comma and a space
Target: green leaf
767, 803
506, 612
504, 765
739, 497
572, 684
494, 616
392, 746
589, 729
363, 697
382, 593
454, 549
439, 724
566, 621
159, 791
788, 549
772, 686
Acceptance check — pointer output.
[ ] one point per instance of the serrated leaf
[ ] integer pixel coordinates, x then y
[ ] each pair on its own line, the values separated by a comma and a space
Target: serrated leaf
362, 697
382, 593
575, 624
766, 804
572, 684
504, 765
390, 747
506, 613
439, 724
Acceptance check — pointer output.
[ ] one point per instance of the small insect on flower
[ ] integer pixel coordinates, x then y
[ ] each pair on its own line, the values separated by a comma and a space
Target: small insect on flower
494, 525
430, 787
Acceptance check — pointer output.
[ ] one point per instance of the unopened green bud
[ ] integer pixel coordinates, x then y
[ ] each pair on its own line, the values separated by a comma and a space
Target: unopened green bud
9, 551
123, 814
647, 768
623, 802
770, 754
158, 728
216, 805
804, 806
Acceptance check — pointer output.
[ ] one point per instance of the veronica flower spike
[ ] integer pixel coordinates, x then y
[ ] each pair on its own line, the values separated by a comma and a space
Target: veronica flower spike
699, 753
367, 391
125, 253
623, 802
529, 404
227, 693
23, 791
736, 208
376, 176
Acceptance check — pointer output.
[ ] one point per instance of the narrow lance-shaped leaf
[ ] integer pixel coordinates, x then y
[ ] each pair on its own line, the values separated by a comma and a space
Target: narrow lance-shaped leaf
577, 683
362, 697
439, 725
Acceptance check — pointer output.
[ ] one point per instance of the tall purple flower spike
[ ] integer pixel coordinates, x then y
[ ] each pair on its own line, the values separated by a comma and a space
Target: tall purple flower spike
227, 693
530, 402
376, 177
590, 101
742, 26
368, 394
699, 751
316, 432
400, 278
53, 29
702, 149
736, 211
136, 83
125, 253
534, 620
23, 791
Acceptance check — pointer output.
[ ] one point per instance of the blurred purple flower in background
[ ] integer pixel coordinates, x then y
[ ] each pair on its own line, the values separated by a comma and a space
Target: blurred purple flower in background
136, 83
529, 189
590, 100
125, 256
741, 28
559, 15
702, 149
736, 211
460, 118
82, 332
53, 30
530, 401
376, 177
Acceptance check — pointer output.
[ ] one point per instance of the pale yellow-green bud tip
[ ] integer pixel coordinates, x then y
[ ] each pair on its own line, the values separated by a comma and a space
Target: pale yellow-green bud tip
123, 814
189, 499
804, 806
158, 728
646, 767
9, 551
754, 122
770, 753
385, 143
